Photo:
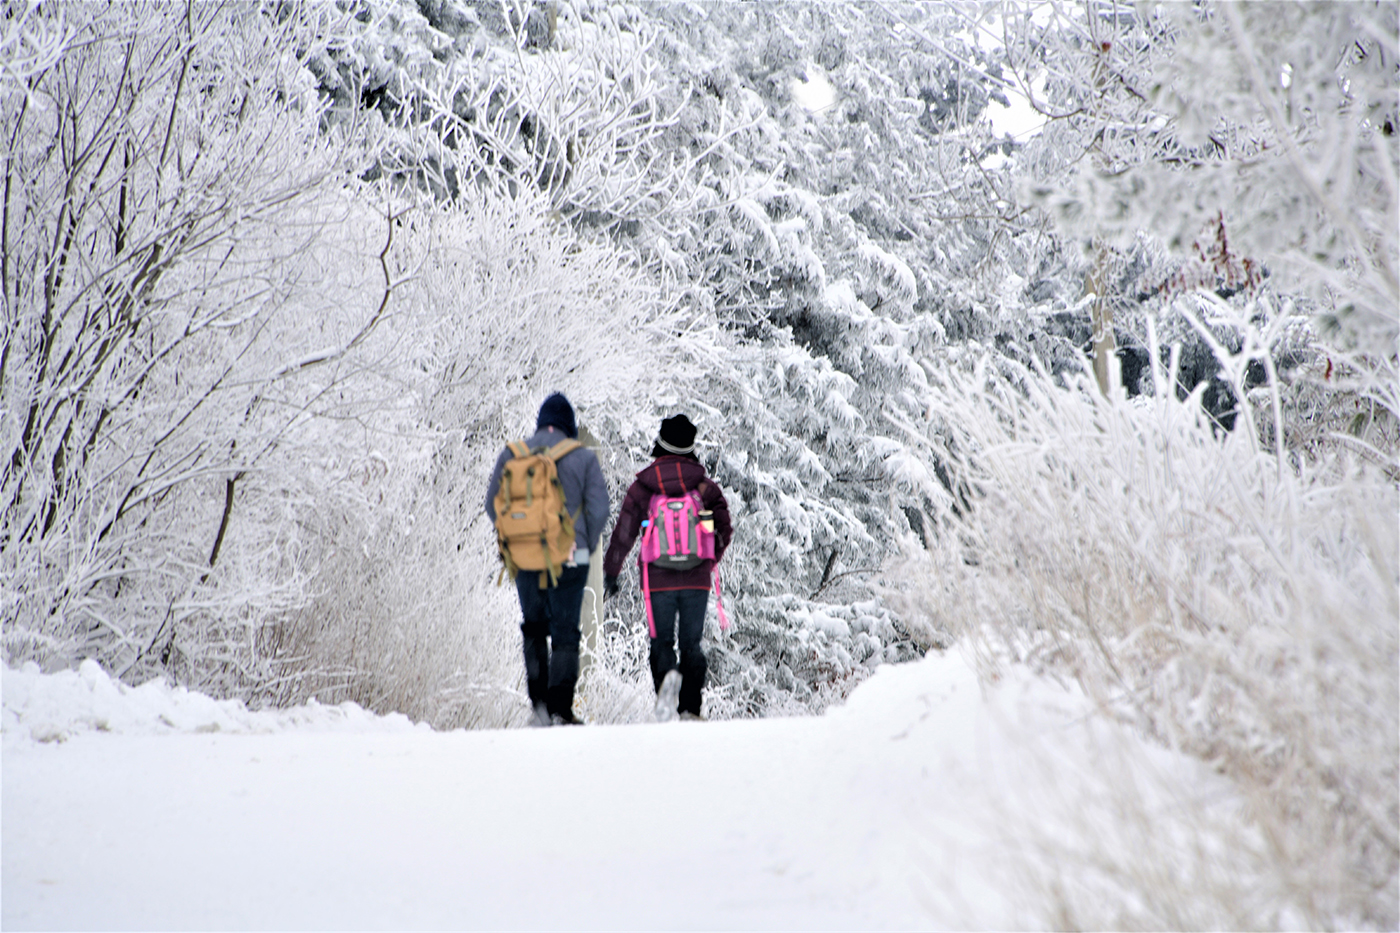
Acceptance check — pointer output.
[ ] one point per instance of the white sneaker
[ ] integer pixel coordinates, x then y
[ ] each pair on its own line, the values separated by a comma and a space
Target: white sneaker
668, 696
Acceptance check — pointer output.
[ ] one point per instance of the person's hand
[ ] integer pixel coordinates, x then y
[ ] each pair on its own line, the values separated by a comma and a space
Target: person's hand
610, 587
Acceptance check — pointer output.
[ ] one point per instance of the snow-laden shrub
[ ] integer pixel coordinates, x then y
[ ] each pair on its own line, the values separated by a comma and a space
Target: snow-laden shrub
615, 685
1232, 602
808, 487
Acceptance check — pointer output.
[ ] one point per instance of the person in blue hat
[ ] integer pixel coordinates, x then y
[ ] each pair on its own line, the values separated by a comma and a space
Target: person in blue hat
550, 608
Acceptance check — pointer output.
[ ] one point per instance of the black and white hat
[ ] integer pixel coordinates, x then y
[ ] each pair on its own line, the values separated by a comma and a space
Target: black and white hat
677, 435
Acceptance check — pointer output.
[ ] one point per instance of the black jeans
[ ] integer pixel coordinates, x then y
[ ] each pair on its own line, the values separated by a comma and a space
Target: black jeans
550, 615
689, 606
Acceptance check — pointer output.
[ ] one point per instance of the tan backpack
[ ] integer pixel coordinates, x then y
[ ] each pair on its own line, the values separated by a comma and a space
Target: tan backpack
534, 529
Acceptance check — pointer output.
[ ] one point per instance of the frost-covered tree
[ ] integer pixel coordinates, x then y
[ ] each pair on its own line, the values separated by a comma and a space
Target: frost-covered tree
567, 100
888, 182
846, 242
168, 194
1256, 143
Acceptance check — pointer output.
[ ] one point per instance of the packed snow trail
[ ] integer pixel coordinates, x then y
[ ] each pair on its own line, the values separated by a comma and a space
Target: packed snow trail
915, 805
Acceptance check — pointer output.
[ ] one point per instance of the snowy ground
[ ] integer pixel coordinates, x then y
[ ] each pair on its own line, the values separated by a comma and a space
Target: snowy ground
923, 802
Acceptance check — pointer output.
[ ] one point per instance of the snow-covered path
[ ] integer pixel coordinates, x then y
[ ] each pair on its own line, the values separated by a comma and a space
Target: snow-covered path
914, 805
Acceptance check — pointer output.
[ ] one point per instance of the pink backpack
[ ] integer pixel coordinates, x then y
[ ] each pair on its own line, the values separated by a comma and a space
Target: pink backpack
672, 536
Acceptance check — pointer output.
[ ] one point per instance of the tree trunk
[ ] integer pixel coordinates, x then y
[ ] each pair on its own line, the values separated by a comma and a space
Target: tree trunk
1105, 347
592, 610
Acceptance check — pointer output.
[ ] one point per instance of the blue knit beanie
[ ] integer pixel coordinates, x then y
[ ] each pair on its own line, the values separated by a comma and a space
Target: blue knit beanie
557, 411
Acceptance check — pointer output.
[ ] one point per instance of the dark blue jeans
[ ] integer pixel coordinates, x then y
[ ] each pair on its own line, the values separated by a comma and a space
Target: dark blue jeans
689, 607
549, 630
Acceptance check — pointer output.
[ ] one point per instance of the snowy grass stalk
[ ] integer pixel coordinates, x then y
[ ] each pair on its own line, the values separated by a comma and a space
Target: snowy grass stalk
1232, 605
1134, 844
617, 687
398, 622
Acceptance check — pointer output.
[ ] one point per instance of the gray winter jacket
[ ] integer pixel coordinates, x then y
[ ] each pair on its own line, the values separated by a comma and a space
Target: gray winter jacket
585, 490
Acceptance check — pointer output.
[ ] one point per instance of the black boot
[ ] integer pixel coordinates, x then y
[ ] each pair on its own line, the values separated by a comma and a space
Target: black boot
536, 667
693, 668
563, 675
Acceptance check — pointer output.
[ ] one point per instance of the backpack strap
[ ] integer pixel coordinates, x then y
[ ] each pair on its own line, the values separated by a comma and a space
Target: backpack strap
517, 449
719, 602
661, 482
646, 599
566, 446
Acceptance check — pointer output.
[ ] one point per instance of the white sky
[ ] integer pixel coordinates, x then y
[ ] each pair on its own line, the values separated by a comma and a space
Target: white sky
1019, 120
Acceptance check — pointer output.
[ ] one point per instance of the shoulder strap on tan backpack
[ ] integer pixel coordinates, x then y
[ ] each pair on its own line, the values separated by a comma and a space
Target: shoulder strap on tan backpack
566, 446
517, 449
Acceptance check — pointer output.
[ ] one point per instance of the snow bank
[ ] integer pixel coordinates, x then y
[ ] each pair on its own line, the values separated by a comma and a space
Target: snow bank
42, 707
929, 799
